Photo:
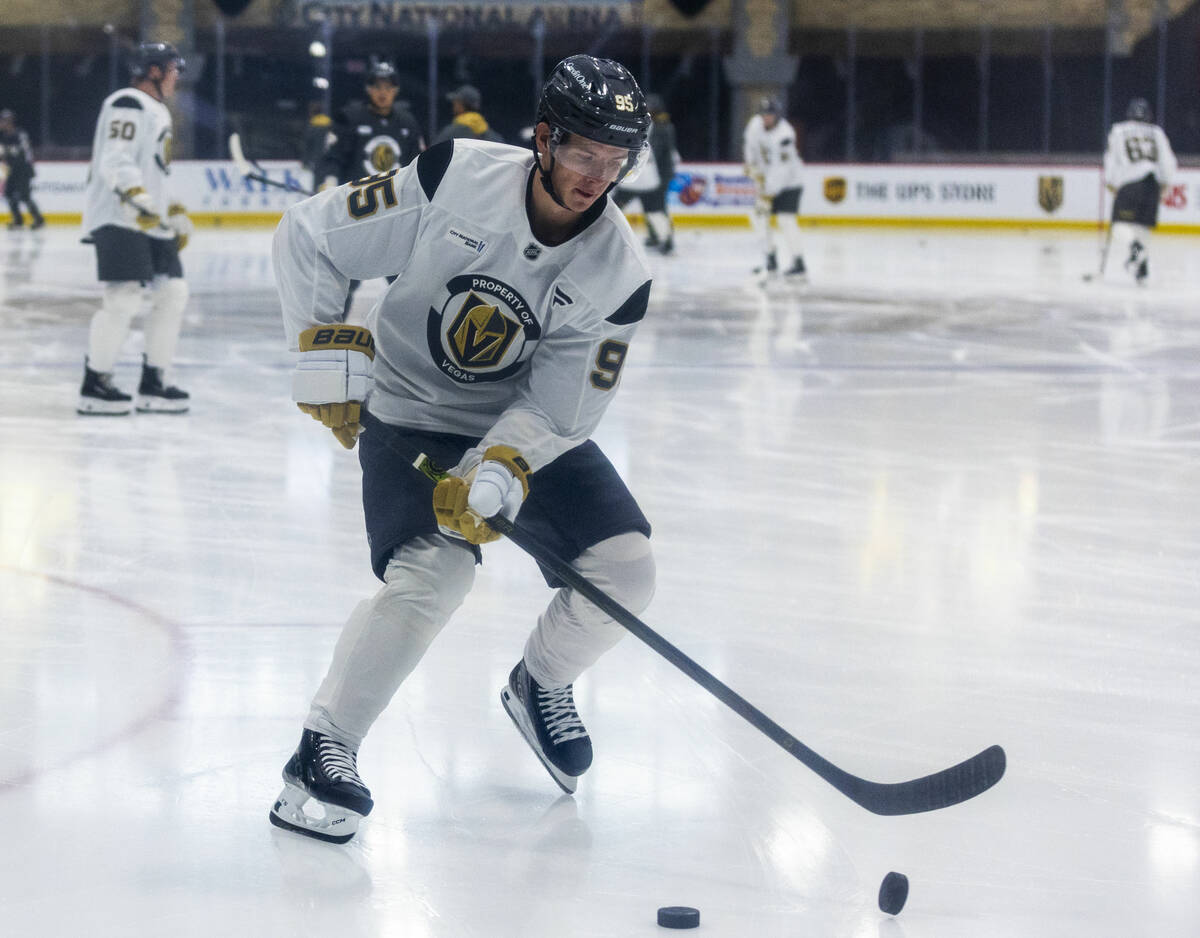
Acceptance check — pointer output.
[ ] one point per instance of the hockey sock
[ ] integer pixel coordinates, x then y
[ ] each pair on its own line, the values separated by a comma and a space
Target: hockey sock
572, 634
110, 323
168, 298
788, 236
659, 225
425, 581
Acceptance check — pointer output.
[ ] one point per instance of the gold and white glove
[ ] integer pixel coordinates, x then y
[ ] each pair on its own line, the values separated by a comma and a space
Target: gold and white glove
498, 485
178, 221
334, 376
140, 207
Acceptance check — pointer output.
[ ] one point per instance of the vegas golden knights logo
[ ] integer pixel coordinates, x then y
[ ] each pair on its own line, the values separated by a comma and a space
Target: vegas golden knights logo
1050, 192
480, 334
835, 188
383, 158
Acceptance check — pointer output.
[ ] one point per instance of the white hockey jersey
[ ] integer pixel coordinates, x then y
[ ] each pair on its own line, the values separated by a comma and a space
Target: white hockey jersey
131, 147
486, 331
773, 155
1136, 149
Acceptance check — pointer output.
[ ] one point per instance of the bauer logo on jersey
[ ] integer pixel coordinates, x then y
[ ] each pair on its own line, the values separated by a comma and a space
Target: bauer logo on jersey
380, 154
1050, 192
835, 189
484, 331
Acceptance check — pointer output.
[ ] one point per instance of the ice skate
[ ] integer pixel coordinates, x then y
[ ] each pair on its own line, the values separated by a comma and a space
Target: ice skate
797, 273
99, 397
550, 724
323, 795
771, 265
155, 397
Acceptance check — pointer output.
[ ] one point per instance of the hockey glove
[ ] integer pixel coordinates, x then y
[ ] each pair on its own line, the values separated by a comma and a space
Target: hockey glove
140, 207
178, 221
497, 485
333, 377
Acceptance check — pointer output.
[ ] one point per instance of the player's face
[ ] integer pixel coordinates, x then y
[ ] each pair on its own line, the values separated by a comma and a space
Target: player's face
583, 169
382, 95
770, 120
170, 78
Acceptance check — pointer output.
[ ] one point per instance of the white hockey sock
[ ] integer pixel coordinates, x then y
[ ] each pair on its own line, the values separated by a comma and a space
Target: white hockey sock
572, 633
385, 637
110, 323
1128, 247
168, 298
788, 236
659, 224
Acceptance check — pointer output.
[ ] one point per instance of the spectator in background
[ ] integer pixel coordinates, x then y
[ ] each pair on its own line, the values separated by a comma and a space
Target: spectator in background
16, 160
465, 103
318, 136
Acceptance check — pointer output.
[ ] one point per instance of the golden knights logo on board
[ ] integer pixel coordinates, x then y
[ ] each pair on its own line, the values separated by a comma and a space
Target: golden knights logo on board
1050, 192
835, 189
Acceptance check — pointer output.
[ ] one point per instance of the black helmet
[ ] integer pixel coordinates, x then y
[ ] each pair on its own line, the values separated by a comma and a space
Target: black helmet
770, 105
382, 71
7, 115
597, 99
1139, 110
162, 54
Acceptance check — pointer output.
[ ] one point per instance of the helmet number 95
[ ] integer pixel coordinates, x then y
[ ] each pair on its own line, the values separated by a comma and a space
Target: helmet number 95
624, 102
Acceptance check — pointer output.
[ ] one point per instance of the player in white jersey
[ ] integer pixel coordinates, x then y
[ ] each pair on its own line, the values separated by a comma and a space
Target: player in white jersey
138, 232
1138, 165
773, 163
495, 352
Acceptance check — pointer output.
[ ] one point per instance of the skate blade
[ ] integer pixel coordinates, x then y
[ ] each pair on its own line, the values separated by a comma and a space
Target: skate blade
516, 712
90, 407
333, 824
153, 405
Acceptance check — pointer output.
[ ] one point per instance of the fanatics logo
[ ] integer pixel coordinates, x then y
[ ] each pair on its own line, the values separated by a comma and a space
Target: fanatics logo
532, 251
560, 297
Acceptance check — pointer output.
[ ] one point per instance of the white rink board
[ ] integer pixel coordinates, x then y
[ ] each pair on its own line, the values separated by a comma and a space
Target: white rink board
1071, 196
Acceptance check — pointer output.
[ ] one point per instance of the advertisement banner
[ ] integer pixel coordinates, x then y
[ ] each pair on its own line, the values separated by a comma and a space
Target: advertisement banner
719, 193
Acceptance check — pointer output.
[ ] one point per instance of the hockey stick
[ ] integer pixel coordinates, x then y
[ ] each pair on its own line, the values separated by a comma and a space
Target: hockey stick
940, 790
252, 171
142, 213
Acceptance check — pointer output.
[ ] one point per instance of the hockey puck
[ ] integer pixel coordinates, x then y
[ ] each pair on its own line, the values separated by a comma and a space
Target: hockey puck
678, 916
893, 892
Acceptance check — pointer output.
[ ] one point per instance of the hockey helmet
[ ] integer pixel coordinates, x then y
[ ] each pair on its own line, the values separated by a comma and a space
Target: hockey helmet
770, 105
598, 99
655, 103
7, 116
147, 54
382, 70
1139, 110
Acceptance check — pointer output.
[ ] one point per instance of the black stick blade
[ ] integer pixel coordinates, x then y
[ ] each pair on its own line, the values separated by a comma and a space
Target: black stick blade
942, 789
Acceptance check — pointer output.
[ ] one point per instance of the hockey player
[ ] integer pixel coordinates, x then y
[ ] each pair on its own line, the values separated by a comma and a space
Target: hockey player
495, 352
773, 163
1138, 166
369, 137
138, 233
654, 182
372, 136
16, 155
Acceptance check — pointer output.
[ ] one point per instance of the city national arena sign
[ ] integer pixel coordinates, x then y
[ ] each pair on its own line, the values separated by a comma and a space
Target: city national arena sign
401, 15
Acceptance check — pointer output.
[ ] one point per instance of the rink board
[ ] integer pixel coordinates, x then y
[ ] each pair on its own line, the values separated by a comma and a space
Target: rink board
720, 194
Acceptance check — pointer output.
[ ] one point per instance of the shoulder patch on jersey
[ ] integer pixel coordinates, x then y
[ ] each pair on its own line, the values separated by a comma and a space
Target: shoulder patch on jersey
634, 308
128, 100
431, 166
